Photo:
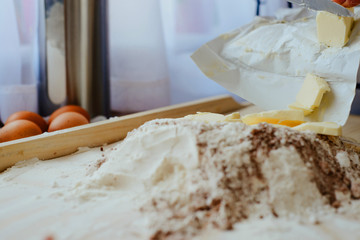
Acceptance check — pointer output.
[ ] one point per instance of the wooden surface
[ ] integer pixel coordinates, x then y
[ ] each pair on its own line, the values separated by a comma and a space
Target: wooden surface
56, 144
60, 143
352, 128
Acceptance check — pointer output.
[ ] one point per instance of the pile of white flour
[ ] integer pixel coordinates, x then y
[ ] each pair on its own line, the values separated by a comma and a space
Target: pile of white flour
182, 179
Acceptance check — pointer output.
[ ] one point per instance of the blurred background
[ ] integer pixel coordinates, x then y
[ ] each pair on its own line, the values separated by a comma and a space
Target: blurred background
148, 52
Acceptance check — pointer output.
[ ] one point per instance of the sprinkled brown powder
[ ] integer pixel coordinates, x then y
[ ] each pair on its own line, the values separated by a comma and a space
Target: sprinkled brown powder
229, 183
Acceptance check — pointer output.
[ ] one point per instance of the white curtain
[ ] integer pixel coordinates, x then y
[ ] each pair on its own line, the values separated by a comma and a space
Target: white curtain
18, 53
186, 25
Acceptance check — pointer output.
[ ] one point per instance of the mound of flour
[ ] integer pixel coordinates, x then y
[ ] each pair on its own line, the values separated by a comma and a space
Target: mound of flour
191, 176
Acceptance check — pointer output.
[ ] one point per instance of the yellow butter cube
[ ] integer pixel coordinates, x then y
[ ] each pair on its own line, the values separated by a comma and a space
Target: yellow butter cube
333, 30
311, 93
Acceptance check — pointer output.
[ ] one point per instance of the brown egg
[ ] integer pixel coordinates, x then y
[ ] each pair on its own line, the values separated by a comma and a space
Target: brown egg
31, 116
19, 129
69, 108
67, 120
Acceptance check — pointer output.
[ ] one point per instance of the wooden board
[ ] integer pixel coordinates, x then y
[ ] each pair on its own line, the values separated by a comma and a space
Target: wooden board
352, 128
61, 143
